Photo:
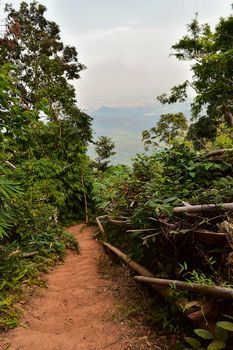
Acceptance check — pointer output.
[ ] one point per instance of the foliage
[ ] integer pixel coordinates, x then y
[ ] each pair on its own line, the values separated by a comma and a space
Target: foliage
33, 44
108, 191
12, 122
163, 179
60, 163
43, 66
43, 141
8, 191
168, 128
210, 53
212, 340
144, 196
104, 148
15, 118
202, 131
21, 263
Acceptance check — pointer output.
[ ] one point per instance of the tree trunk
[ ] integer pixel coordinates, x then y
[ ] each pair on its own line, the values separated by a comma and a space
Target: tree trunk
85, 199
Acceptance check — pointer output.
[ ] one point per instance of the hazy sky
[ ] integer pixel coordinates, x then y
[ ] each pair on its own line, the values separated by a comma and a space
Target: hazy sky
125, 44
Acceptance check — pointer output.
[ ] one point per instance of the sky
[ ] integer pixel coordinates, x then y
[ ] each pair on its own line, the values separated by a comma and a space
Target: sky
125, 45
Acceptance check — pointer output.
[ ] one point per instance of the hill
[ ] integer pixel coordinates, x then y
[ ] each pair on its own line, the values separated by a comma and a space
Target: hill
125, 125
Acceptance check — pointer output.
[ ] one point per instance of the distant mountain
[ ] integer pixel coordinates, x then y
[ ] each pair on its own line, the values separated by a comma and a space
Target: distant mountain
126, 124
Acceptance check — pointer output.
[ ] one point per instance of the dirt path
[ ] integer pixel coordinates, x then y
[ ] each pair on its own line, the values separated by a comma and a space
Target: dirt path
75, 311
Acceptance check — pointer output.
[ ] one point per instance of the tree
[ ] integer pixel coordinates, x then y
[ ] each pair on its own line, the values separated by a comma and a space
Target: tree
169, 127
104, 147
12, 118
45, 65
205, 129
44, 68
16, 119
210, 53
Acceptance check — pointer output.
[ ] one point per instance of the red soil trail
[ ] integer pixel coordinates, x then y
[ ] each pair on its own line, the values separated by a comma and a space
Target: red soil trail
75, 311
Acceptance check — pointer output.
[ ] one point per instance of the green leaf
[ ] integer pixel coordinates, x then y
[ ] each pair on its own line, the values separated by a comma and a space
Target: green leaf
192, 174
193, 342
221, 333
203, 333
151, 204
226, 325
170, 200
216, 345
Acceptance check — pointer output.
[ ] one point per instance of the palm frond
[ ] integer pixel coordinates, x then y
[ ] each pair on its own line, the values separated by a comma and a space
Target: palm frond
8, 188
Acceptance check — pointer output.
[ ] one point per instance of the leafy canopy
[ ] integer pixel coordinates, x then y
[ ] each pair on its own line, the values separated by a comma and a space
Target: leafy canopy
45, 65
168, 128
104, 148
210, 53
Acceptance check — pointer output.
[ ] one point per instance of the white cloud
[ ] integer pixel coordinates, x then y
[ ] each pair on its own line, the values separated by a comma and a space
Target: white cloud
126, 43
126, 65
102, 34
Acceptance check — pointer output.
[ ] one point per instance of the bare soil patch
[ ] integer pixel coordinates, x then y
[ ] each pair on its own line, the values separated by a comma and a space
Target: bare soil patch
79, 310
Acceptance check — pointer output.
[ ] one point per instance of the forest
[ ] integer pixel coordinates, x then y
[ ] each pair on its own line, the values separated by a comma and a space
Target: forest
169, 213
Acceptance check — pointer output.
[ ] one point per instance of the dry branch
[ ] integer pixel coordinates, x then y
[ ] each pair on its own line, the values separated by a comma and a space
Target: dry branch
198, 318
135, 266
183, 303
143, 230
214, 291
218, 152
118, 221
203, 208
28, 255
97, 219
9, 164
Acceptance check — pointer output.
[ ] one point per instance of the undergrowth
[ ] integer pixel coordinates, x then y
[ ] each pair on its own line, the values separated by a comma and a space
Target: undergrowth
21, 264
140, 221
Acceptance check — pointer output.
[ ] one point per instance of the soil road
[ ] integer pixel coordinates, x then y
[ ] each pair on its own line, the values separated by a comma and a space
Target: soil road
75, 312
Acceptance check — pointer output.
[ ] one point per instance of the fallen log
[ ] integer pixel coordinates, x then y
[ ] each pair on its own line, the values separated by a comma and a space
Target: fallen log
218, 152
97, 219
135, 266
214, 291
118, 221
199, 318
203, 208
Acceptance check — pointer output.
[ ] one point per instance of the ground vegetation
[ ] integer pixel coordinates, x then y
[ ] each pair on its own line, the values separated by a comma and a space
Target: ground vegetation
45, 171
172, 211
